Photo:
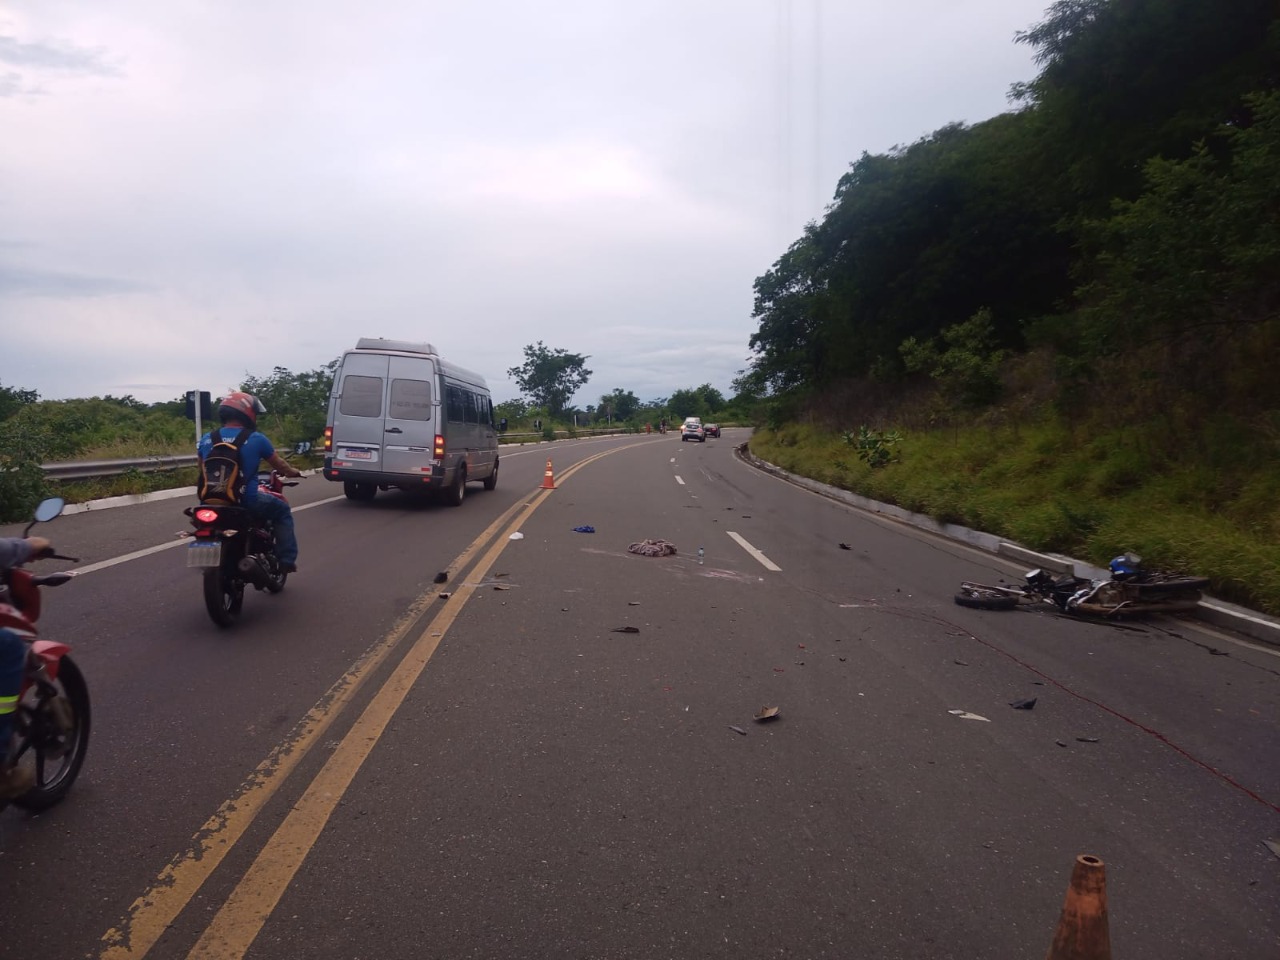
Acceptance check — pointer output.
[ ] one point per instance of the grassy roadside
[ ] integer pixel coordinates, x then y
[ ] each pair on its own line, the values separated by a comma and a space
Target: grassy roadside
1088, 495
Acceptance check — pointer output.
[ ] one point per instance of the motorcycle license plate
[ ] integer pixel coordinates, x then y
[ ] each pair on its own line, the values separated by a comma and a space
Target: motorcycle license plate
204, 553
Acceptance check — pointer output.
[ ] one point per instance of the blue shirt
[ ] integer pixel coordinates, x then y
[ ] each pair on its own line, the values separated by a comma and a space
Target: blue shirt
256, 449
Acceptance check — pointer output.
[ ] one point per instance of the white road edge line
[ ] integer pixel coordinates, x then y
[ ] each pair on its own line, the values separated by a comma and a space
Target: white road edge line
679, 479
764, 561
139, 554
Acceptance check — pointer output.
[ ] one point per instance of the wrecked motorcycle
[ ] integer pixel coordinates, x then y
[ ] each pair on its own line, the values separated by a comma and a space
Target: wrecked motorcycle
1131, 590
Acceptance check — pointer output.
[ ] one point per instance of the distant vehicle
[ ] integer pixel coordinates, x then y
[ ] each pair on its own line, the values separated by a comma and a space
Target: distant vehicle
400, 416
693, 420
712, 430
692, 430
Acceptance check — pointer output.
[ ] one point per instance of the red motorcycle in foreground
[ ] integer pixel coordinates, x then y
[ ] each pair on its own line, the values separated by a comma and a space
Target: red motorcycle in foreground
51, 725
234, 549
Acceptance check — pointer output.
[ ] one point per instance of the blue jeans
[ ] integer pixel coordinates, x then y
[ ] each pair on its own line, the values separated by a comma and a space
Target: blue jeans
13, 660
278, 512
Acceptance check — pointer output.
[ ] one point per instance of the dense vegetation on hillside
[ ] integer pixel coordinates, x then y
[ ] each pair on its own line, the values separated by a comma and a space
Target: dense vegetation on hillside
1072, 310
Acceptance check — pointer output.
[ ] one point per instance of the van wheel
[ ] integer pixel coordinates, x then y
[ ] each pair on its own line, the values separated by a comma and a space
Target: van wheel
458, 492
359, 491
491, 480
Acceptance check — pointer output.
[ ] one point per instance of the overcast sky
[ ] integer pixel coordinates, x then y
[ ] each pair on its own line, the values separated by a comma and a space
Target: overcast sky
192, 191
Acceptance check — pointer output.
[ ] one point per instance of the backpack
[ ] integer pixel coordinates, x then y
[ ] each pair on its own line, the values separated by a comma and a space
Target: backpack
222, 477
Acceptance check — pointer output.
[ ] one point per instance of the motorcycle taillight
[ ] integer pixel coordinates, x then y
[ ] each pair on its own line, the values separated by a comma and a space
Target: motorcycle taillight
205, 515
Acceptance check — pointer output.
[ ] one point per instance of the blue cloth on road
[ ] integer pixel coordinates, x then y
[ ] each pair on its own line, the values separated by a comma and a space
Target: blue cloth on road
584, 529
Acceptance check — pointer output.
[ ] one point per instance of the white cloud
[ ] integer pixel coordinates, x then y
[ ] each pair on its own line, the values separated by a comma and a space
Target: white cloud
607, 177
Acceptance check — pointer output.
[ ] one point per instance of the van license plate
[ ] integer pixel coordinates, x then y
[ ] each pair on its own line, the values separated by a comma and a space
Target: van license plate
357, 454
204, 553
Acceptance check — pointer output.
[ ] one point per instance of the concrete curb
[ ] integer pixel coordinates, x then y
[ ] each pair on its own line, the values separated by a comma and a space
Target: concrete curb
1250, 623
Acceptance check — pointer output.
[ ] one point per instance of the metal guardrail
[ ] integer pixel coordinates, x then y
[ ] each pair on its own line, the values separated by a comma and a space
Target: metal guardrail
85, 469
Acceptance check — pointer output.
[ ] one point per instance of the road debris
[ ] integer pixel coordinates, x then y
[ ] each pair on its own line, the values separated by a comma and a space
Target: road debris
845, 546
501, 586
737, 730
960, 663
1061, 743
516, 536
441, 577
585, 528
1086, 739
766, 713
652, 548
1023, 704
1273, 845
633, 603
445, 596
625, 630
964, 715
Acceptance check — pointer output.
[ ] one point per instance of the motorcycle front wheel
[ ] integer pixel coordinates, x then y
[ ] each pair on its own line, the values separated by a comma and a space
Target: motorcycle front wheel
223, 596
53, 735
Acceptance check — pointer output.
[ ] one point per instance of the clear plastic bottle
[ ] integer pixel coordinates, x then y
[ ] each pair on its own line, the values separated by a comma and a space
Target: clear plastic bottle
701, 553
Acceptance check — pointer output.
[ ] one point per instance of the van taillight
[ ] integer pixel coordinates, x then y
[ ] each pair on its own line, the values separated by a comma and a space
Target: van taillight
328, 439
438, 451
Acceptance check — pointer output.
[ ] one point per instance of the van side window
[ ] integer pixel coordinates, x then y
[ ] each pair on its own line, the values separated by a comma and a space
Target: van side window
410, 400
361, 397
456, 401
473, 408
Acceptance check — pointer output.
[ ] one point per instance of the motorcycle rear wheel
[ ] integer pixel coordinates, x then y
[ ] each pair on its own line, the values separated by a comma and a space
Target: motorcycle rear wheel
223, 596
56, 751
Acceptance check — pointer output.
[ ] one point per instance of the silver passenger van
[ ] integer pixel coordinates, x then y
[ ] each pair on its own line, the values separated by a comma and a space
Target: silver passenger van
400, 416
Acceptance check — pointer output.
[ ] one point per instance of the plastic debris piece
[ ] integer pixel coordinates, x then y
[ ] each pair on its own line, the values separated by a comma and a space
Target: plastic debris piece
960, 663
625, 630
585, 528
845, 546
445, 596
737, 730
843, 659
516, 536
442, 576
1087, 739
779, 669
1273, 845
766, 713
501, 586
1023, 704
800, 645
652, 548
1061, 743
964, 715
633, 603
502, 574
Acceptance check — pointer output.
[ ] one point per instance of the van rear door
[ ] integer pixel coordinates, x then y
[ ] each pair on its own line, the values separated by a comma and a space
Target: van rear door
410, 429
359, 411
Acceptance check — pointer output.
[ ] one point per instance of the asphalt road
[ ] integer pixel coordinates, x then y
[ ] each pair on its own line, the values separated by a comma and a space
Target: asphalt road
363, 768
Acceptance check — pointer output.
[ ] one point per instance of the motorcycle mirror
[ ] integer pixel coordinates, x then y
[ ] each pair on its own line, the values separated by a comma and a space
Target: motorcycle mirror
48, 509
45, 511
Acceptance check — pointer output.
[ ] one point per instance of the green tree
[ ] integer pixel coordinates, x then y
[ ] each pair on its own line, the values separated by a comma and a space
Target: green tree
297, 403
618, 405
550, 377
13, 399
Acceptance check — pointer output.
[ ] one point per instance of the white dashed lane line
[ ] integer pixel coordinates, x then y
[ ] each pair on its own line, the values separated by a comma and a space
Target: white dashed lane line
764, 561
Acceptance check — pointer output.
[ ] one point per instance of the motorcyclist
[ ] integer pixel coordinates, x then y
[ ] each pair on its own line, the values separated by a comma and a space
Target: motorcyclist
14, 781
235, 412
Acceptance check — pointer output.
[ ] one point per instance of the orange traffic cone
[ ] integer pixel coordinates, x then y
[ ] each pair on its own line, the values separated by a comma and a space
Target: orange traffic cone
548, 479
1083, 932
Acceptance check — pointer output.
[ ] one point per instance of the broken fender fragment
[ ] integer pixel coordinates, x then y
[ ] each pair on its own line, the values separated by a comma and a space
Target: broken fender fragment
966, 715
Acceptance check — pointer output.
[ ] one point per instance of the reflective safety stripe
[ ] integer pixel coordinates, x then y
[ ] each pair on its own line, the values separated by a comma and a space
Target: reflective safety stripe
8, 705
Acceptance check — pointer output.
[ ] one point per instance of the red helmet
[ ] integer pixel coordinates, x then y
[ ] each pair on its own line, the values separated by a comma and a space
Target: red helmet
242, 406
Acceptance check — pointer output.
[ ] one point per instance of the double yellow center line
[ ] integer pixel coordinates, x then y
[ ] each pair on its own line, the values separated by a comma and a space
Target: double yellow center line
246, 910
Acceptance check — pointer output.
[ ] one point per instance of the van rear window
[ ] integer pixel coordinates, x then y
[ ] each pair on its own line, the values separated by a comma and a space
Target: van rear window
410, 400
361, 396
